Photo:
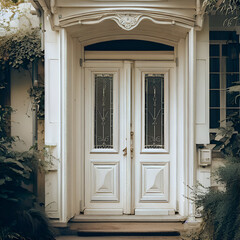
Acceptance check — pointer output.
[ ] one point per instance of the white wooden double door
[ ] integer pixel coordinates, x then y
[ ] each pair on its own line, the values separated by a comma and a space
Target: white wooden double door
130, 138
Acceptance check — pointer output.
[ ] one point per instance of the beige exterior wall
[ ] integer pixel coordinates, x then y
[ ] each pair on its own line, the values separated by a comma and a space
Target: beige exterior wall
21, 81
21, 125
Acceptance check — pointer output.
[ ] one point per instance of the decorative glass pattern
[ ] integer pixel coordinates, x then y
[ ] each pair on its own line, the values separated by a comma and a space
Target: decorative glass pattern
103, 119
154, 111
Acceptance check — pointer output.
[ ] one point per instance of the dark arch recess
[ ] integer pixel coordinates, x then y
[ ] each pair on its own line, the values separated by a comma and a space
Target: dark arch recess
128, 45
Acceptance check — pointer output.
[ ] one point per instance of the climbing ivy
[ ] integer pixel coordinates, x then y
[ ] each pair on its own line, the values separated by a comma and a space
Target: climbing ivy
37, 97
19, 49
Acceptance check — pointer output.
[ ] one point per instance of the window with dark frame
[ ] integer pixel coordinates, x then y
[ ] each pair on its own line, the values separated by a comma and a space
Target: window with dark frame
224, 73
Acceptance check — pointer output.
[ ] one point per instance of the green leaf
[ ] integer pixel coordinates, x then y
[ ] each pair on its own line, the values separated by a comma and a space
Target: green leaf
10, 160
2, 181
17, 171
4, 196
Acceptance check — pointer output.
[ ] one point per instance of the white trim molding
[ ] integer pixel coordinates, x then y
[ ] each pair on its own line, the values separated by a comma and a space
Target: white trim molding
126, 19
191, 141
63, 126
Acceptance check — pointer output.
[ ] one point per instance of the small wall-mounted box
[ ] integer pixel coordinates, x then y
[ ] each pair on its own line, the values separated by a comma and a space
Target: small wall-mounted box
204, 157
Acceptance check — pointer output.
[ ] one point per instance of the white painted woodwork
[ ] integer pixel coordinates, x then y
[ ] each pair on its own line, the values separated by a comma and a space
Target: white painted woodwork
79, 128
127, 104
155, 174
52, 87
182, 127
126, 13
167, 34
191, 118
181, 172
105, 169
63, 127
51, 195
52, 121
103, 211
202, 85
130, 55
71, 173
86, 22
111, 177
154, 182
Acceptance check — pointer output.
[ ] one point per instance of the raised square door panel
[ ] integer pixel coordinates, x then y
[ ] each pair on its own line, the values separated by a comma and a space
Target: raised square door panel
155, 182
104, 182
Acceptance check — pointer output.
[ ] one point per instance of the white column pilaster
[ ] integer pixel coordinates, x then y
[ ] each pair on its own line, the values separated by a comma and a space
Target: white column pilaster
191, 120
63, 125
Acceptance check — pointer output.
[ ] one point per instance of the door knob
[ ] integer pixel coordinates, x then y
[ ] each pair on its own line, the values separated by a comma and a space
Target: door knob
125, 151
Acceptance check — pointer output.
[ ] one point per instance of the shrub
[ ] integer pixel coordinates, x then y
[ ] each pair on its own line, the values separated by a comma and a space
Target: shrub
220, 208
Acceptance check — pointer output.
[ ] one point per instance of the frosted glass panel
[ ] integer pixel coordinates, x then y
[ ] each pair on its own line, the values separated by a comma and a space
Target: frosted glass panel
154, 111
103, 119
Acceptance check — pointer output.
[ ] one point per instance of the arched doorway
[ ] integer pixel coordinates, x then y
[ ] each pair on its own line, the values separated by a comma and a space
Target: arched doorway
130, 166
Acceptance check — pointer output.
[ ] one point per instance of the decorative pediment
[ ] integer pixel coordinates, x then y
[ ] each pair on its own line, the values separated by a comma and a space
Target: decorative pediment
126, 13
127, 21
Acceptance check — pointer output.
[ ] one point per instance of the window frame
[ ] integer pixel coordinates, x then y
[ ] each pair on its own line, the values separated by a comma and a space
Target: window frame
222, 85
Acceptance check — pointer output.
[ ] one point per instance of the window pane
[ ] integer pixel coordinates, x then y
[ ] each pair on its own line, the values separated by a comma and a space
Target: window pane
214, 118
103, 119
233, 112
214, 50
214, 98
224, 50
233, 99
154, 111
214, 64
232, 65
214, 81
232, 79
223, 35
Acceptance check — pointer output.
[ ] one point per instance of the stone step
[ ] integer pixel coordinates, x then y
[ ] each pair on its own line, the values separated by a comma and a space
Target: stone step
123, 230
118, 238
164, 228
128, 218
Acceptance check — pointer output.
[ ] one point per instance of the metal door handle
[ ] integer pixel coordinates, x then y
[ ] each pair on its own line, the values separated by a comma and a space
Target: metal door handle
125, 151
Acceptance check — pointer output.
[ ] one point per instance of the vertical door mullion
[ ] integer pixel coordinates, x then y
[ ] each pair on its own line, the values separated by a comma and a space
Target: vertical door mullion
127, 74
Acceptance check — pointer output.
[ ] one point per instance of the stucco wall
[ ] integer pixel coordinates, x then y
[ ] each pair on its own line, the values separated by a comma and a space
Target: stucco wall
21, 125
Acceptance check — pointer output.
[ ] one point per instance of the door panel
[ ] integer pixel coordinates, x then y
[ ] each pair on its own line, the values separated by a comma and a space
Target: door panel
153, 158
104, 134
154, 181
130, 134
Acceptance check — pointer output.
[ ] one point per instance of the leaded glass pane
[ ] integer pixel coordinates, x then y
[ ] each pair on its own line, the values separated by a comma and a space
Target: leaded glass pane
154, 111
103, 119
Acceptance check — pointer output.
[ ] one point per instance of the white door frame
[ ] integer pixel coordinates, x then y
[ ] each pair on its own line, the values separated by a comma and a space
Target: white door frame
128, 201
70, 52
185, 110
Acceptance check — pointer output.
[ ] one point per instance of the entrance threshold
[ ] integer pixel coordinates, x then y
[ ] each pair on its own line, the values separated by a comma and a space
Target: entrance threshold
128, 218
